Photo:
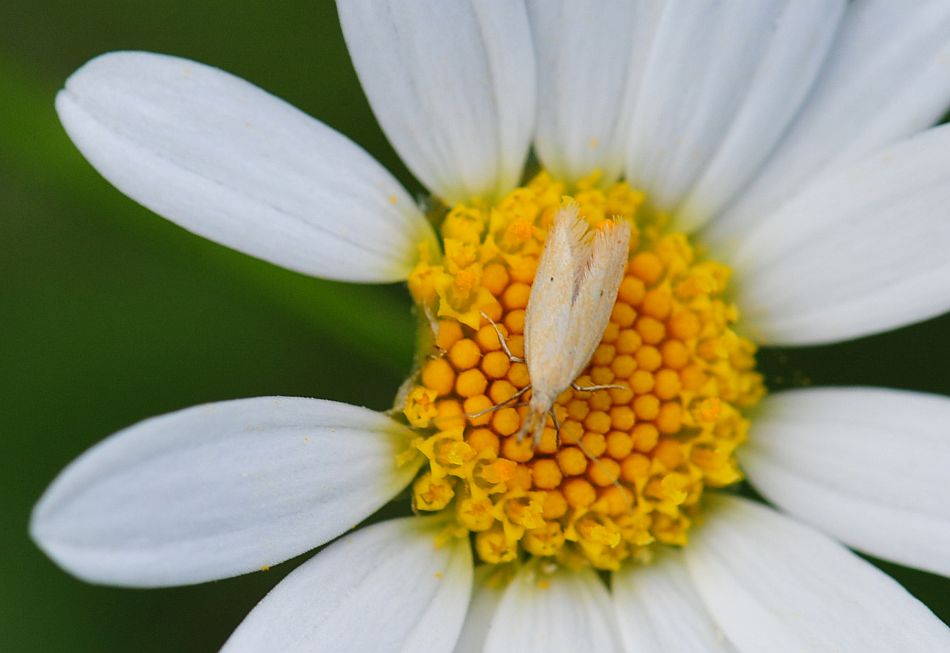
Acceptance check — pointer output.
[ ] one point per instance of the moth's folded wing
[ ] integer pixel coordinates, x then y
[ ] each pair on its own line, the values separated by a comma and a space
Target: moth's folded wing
597, 293
549, 312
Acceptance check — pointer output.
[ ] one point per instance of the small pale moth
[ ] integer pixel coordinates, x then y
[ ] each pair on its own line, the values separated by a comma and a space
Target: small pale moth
573, 294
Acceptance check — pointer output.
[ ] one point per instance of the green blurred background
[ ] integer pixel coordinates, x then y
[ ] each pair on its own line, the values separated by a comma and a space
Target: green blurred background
109, 315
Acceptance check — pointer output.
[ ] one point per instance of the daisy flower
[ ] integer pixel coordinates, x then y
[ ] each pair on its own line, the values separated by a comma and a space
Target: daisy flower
783, 184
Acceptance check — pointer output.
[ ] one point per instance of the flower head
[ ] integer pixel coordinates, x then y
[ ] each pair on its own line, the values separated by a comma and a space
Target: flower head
770, 168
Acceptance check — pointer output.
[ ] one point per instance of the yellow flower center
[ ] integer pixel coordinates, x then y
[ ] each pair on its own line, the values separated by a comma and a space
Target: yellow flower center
628, 465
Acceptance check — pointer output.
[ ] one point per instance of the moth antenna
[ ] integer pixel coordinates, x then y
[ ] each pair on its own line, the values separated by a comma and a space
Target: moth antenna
501, 340
594, 459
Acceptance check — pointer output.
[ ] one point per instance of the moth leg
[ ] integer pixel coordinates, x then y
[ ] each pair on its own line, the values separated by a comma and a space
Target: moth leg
557, 428
500, 404
595, 388
501, 340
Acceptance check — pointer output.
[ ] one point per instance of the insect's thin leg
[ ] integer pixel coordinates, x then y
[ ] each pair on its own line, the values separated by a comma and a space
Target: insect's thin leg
595, 388
557, 427
501, 340
499, 405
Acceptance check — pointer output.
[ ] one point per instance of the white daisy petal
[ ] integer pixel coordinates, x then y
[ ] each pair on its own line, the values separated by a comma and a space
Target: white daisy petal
228, 161
866, 465
658, 609
876, 236
885, 80
452, 84
559, 613
387, 587
721, 82
219, 490
784, 75
773, 584
486, 596
582, 54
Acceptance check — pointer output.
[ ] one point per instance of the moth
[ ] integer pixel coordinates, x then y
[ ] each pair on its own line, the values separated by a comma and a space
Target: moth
573, 294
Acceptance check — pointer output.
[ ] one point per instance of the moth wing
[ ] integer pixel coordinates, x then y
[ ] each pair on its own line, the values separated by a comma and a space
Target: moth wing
579, 238
548, 314
597, 293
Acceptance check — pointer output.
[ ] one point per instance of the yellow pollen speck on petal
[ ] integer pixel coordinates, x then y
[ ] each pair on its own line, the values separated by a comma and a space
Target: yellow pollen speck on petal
624, 467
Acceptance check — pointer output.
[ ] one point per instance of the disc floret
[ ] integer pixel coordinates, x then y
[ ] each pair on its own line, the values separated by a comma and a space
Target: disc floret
629, 464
